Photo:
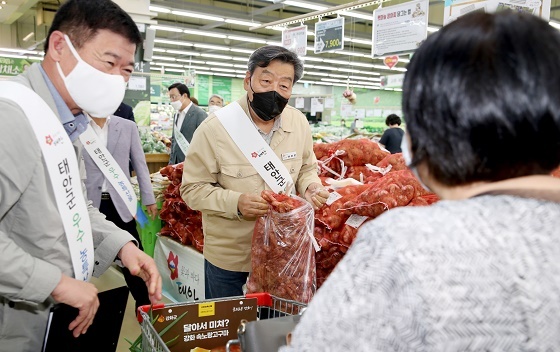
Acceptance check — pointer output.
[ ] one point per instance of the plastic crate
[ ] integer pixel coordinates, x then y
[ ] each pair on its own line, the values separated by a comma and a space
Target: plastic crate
149, 231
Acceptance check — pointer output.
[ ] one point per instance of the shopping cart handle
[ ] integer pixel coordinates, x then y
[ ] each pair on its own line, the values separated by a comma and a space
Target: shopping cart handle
146, 309
264, 299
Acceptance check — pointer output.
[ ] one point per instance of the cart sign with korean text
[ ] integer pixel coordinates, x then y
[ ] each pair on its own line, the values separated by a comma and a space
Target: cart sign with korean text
205, 325
400, 29
392, 81
329, 35
454, 9
295, 39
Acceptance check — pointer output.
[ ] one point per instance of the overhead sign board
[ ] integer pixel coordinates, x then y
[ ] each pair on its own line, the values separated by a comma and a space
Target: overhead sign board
295, 39
329, 35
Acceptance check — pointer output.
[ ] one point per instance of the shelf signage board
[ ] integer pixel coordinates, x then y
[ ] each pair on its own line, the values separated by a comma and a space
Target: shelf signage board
295, 39
329, 35
399, 29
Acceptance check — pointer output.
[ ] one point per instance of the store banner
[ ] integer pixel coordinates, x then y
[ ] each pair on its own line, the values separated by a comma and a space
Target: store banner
295, 39
400, 28
454, 9
182, 270
14, 66
329, 35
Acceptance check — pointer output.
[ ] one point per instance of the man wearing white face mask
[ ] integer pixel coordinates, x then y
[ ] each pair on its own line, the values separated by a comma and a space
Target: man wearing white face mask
51, 240
215, 103
185, 122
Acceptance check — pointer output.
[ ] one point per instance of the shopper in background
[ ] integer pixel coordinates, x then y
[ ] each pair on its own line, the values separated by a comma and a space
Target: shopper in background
342, 122
185, 122
221, 182
89, 55
122, 140
215, 103
125, 111
354, 126
479, 270
194, 100
392, 137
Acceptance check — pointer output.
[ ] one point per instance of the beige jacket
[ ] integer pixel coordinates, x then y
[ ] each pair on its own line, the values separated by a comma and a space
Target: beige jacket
216, 174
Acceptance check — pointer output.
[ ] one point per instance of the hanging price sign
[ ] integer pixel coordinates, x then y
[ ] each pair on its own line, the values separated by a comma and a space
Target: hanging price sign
295, 39
329, 35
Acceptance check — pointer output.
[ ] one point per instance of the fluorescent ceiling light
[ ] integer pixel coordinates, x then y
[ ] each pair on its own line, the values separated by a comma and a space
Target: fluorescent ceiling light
192, 61
14, 56
397, 89
167, 64
240, 66
433, 29
183, 52
31, 57
174, 70
166, 58
159, 50
360, 41
197, 15
245, 51
155, 68
357, 15
215, 56
215, 63
204, 33
309, 58
159, 9
240, 76
305, 5
204, 73
27, 37
223, 74
221, 69
19, 51
172, 42
208, 46
166, 28
244, 59
242, 23
246, 39
554, 24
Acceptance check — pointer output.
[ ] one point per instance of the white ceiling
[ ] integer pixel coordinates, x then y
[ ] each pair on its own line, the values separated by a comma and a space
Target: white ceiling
222, 46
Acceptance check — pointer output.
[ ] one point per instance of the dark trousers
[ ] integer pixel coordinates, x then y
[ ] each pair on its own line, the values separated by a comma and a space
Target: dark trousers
137, 286
220, 283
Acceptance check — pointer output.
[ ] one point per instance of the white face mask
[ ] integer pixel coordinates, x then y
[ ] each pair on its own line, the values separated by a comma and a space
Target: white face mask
95, 92
213, 108
407, 155
177, 104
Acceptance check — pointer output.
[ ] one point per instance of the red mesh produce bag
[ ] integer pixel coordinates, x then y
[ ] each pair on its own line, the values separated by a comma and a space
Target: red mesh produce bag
180, 222
424, 200
363, 174
330, 214
395, 160
283, 255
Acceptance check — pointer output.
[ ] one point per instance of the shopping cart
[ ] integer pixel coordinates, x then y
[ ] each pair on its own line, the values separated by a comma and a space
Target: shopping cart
268, 306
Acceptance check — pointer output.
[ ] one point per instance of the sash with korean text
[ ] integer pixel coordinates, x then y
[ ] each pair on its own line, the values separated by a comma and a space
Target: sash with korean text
112, 171
62, 166
254, 147
179, 138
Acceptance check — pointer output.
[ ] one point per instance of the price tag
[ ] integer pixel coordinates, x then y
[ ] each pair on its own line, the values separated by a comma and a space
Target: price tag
355, 220
329, 35
295, 39
333, 197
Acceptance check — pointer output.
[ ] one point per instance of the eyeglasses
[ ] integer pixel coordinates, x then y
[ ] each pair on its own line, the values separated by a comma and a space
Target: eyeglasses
174, 97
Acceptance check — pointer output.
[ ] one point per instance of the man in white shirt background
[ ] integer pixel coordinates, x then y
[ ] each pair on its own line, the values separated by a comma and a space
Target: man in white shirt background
186, 120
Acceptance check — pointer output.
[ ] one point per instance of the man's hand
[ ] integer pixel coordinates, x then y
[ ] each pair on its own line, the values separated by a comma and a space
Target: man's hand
252, 205
142, 265
152, 211
81, 295
317, 195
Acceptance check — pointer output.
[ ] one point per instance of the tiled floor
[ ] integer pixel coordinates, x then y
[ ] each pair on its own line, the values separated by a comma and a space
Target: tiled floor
130, 328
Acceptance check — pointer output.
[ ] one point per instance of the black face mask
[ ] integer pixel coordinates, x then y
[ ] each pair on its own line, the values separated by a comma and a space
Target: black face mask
268, 105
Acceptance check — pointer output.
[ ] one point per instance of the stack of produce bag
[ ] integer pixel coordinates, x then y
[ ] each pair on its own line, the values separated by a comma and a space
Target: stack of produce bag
180, 222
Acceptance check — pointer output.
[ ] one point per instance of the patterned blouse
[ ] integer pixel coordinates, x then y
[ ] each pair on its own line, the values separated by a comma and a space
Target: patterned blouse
481, 274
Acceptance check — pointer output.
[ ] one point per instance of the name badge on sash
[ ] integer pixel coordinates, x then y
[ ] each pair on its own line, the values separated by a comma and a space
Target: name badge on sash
254, 147
63, 170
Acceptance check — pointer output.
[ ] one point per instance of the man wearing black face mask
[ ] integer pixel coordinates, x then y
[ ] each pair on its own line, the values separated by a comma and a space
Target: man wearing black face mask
223, 178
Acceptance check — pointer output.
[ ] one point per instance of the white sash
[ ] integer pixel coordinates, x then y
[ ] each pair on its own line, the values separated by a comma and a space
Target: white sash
110, 169
254, 147
179, 138
62, 166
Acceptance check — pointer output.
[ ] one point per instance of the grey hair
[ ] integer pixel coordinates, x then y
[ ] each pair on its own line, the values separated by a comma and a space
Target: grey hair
265, 54
217, 96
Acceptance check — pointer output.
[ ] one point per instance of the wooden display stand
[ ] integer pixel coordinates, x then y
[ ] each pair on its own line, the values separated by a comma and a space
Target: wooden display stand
156, 161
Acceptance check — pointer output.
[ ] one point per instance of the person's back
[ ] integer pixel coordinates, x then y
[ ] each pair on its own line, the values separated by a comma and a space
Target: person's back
466, 278
392, 139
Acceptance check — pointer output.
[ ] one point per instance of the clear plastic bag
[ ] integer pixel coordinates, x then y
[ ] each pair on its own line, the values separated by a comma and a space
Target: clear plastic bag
283, 250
